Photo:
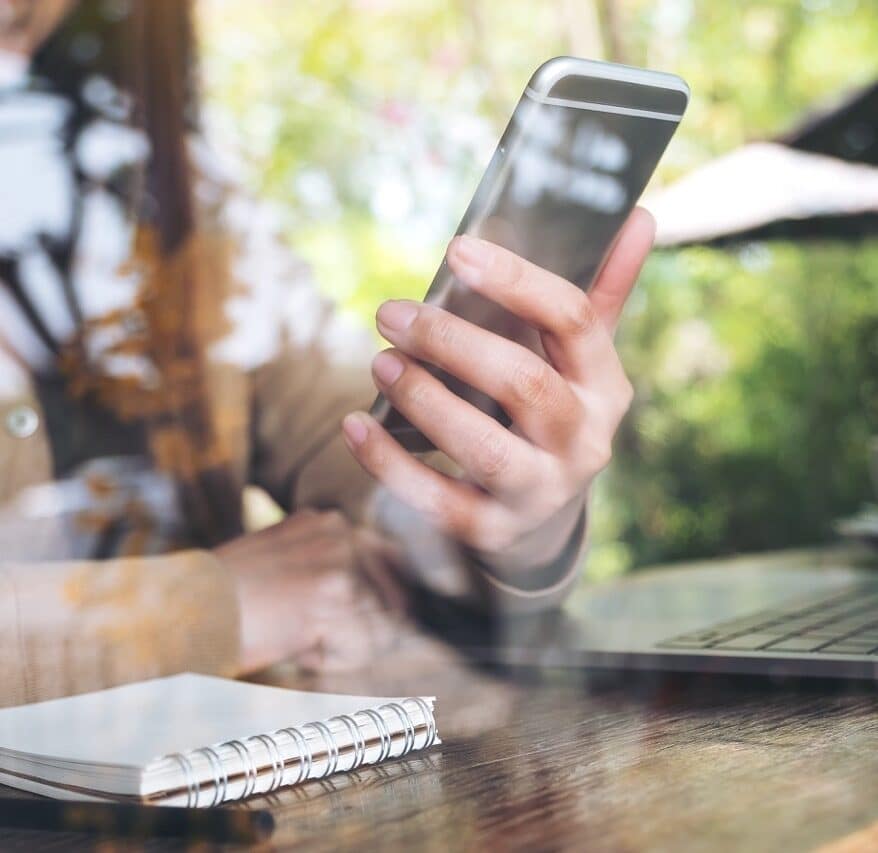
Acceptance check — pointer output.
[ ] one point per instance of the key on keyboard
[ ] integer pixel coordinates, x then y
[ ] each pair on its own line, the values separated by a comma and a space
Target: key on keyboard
845, 623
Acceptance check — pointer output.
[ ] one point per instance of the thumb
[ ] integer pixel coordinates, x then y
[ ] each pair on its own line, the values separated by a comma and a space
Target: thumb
623, 264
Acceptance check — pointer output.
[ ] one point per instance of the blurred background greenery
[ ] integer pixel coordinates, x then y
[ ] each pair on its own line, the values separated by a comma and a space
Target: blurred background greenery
369, 122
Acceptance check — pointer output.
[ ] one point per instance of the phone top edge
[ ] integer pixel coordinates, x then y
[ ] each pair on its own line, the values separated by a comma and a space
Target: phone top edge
602, 108
555, 69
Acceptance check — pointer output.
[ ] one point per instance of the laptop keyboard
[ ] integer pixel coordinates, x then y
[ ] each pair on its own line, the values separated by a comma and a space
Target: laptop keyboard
845, 624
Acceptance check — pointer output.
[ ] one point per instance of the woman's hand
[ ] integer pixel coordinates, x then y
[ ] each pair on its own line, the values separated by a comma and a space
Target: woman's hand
316, 591
524, 487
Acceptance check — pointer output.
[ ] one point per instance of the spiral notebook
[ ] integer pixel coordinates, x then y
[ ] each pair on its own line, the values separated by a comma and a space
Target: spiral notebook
196, 740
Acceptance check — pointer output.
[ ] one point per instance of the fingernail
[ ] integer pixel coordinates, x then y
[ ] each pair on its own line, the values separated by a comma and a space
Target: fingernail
469, 257
387, 367
355, 429
397, 314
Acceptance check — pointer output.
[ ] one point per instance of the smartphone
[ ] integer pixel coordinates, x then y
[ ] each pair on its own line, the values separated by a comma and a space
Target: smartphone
574, 159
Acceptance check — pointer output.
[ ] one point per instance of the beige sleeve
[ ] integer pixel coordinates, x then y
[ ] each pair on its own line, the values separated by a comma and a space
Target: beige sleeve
509, 598
441, 566
299, 455
71, 627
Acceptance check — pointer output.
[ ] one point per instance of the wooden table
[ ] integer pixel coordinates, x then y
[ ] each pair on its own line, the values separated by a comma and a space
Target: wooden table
569, 761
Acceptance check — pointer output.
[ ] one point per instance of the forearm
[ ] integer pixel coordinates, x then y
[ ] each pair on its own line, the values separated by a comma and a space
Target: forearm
70, 627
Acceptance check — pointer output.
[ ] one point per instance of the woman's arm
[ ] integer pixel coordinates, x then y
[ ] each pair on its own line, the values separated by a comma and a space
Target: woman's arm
312, 590
69, 627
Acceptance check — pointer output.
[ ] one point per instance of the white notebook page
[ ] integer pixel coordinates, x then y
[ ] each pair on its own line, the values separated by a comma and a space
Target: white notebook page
132, 725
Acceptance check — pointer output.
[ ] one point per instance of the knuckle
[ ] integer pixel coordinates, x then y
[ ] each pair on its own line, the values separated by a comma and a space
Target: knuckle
569, 417
493, 536
412, 391
463, 527
531, 385
374, 455
444, 512
436, 505
440, 333
578, 316
493, 454
600, 454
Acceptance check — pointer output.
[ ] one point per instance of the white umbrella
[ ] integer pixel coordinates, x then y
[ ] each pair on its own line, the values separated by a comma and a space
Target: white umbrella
767, 189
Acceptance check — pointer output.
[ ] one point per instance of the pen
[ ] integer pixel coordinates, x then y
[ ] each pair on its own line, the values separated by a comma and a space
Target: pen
135, 820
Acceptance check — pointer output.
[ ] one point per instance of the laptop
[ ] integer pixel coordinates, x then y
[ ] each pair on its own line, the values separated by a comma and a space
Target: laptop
792, 614
809, 612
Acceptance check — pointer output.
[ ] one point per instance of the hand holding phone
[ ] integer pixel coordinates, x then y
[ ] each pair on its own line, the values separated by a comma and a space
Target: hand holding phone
570, 166
509, 366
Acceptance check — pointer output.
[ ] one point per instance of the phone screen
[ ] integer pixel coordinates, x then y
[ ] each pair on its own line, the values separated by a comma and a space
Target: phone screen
568, 170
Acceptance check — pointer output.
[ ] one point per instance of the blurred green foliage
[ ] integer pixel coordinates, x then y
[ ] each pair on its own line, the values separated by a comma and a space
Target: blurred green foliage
757, 389
369, 122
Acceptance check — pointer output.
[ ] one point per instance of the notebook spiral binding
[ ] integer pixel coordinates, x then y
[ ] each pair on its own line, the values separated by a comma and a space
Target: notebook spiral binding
304, 754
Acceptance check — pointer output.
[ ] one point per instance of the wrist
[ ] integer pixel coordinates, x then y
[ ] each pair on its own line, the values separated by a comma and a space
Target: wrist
539, 547
541, 559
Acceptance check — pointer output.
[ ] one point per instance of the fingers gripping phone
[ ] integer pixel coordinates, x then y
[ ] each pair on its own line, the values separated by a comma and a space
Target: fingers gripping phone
574, 159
